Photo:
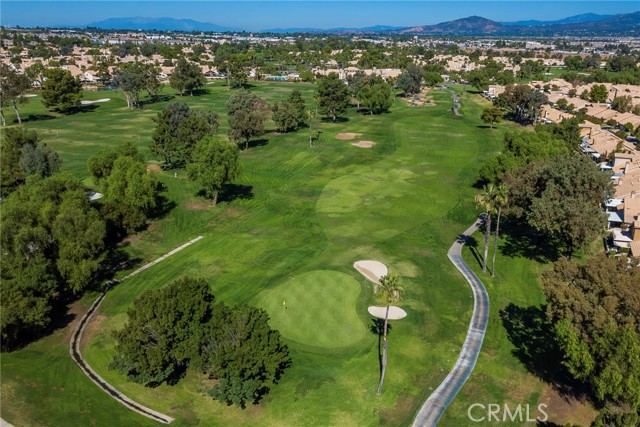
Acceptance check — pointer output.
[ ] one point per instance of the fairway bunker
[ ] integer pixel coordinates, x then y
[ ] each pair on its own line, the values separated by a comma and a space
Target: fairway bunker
372, 270
345, 136
363, 144
87, 102
395, 313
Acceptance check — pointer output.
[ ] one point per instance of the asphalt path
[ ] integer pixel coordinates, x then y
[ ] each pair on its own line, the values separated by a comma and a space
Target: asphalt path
440, 399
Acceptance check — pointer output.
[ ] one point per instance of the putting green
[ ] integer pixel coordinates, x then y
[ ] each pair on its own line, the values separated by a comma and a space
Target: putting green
320, 309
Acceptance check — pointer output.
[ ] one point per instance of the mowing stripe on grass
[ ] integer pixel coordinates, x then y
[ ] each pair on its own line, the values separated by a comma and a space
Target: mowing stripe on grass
440, 399
76, 355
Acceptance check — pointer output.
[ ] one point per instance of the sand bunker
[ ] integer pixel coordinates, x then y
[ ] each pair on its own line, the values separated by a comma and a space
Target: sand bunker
395, 313
31, 95
345, 136
364, 144
372, 270
86, 102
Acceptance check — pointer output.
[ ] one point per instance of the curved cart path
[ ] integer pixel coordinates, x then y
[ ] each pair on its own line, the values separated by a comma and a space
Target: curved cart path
440, 399
76, 355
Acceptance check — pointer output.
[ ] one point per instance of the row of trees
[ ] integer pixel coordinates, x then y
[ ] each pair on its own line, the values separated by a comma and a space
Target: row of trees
53, 239
182, 326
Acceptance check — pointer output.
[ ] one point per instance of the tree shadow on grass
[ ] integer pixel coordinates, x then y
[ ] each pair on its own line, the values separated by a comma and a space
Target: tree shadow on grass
256, 143
520, 240
35, 118
156, 99
536, 346
163, 204
232, 192
338, 119
472, 244
377, 328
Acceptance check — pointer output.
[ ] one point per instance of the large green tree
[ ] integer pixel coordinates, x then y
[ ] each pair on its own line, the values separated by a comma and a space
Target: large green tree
561, 198
187, 77
598, 93
22, 154
376, 95
247, 114
52, 241
491, 115
178, 130
215, 163
333, 96
595, 308
61, 90
243, 353
289, 115
522, 102
164, 331
130, 194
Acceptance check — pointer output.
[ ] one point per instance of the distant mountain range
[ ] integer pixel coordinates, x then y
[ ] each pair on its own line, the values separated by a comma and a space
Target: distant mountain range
624, 24
585, 17
159, 24
580, 25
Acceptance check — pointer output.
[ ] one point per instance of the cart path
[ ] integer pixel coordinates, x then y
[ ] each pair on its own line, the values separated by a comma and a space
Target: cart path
76, 355
440, 399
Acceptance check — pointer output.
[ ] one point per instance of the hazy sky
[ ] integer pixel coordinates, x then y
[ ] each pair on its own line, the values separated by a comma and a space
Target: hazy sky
256, 15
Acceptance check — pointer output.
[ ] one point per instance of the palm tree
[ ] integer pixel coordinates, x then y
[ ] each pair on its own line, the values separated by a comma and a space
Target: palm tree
388, 291
485, 200
500, 200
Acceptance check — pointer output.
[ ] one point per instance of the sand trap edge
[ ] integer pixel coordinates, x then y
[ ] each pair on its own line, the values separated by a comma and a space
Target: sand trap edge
395, 313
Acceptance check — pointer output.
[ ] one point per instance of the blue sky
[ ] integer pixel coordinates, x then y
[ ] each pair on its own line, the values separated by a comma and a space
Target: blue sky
256, 15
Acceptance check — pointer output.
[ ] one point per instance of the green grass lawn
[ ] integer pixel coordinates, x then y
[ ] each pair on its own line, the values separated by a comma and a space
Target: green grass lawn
306, 215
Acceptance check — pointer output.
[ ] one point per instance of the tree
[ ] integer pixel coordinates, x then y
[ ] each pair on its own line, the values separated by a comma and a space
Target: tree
478, 79
356, 82
22, 154
522, 101
243, 353
51, 242
432, 78
389, 291
164, 332
333, 96
598, 93
35, 73
486, 200
13, 86
562, 103
247, 114
39, 159
101, 164
622, 104
594, 308
187, 76
376, 95
130, 79
561, 198
216, 163
491, 115
522, 149
61, 90
236, 72
129, 194
500, 200
290, 114
406, 84
178, 130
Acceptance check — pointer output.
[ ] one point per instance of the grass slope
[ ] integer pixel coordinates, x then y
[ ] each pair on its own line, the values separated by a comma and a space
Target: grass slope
300, 210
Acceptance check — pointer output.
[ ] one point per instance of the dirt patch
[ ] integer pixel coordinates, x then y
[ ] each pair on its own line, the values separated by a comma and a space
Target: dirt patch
566, 409
153, 167
345, 136
364, 144
198, 205
92, 327
77, 310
